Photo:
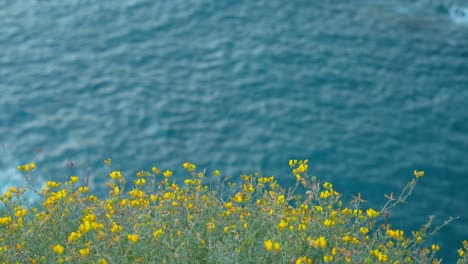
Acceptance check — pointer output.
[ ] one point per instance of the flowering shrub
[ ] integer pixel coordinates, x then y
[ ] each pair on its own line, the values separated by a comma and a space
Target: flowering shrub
160, 221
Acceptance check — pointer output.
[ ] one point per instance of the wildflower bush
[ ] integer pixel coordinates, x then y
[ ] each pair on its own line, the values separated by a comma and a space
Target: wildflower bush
206, 218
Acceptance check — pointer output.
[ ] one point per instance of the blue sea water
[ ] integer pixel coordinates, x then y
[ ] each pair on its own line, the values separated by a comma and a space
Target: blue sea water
367, 90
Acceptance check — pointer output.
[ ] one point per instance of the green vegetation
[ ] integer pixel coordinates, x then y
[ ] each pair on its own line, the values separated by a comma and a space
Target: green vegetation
160, 221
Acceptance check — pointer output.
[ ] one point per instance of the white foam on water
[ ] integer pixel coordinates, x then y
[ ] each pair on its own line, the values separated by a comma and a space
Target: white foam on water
459, 15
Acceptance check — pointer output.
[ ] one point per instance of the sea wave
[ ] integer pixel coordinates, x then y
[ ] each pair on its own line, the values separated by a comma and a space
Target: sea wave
459, 15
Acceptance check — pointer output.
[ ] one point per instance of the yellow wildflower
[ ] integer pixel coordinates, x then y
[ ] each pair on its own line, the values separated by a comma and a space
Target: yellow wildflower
372, 213
52, 184
280, 200
74, 236
189, 166
58, 249
304, 260
157, 233
8, 195
325, 194
283, 224
133, 238
115, 227
320, 242
379, 255
268, 245
277, 246
84, 252
73, 178
328, 222
292, 163
364, 230
155, 170
5, 220
301, 227
140, 182
115, 175
167, 173
418, 174
395, 234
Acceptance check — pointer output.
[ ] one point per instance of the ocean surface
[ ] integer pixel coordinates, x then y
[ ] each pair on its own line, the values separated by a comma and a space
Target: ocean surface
367, 90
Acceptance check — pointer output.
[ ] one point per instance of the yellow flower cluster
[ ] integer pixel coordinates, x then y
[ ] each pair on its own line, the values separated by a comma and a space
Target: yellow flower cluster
379, 255
53, 184
364, 230
140, 182
270, 245
115, 227
20, 212
155, 170
328, 222
74, 179
74, 236
319, 242
167, 173
395, 234
352, 239
299, 170
418, 174
115, 175
88, 223
372, 213
280, 200
5, 220
158, 233
54, 197
27, 167
189, 166
202, 220
84, 252
303, 260
463, 252
133, 238
58, 249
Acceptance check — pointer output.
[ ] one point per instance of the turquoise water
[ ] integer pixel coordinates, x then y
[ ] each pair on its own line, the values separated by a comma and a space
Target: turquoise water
367, 90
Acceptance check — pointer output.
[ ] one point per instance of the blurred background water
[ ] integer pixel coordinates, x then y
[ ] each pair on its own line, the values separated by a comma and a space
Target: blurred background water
367, 90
